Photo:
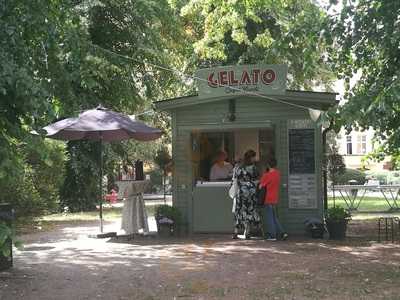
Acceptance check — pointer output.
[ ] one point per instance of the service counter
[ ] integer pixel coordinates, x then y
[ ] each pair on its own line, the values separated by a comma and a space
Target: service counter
212, 207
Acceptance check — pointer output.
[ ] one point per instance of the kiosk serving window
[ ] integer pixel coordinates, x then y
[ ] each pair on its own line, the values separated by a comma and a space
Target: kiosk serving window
206, 147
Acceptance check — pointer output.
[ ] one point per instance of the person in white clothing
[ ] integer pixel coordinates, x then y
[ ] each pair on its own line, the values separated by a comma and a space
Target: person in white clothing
221, 169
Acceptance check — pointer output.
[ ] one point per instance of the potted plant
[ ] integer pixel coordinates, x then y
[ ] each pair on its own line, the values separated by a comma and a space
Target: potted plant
7, 239
162, 159
337, 219
168, 219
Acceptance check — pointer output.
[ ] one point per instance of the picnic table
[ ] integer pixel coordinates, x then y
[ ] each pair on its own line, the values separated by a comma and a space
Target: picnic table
354, 194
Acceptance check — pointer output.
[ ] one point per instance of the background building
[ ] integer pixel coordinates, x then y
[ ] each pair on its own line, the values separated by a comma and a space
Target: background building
355, 146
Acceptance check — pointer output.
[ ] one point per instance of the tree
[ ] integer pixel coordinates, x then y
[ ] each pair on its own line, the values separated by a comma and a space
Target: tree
60, 57
36, 37
128, 39
365, 39
239, 32
335, 165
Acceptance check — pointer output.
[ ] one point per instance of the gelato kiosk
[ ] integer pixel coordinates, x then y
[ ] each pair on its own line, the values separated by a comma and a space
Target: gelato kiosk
239, 108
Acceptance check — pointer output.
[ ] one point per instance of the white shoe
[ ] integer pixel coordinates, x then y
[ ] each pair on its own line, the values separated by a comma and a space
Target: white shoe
271, 239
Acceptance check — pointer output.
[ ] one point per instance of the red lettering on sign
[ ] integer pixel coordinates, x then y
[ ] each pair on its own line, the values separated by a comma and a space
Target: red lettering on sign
268, 76
211, 81
245, 78
223, 78
232, 80
256, 76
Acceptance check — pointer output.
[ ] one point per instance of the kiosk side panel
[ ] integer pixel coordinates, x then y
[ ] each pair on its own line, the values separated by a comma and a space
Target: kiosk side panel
182, 177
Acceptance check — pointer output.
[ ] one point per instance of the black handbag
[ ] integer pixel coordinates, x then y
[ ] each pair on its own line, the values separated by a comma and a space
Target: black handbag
261, 193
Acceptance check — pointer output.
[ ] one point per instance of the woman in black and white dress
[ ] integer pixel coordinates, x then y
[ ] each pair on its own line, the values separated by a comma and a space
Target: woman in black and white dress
245, 205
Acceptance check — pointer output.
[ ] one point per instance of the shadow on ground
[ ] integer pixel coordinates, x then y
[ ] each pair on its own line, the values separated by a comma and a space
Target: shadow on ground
65, 264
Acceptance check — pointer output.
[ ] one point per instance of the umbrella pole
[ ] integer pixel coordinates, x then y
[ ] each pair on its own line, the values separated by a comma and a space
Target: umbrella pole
101, 183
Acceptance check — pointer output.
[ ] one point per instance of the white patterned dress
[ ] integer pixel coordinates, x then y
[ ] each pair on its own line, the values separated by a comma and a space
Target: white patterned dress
246, 201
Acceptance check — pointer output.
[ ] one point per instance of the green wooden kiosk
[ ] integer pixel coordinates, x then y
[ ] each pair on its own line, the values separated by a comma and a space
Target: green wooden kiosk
239, 108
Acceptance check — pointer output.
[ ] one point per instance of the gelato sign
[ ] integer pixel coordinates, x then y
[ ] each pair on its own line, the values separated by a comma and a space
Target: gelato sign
232, 80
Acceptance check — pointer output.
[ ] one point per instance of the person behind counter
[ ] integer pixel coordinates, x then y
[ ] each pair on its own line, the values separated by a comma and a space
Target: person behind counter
245, 203
221, 170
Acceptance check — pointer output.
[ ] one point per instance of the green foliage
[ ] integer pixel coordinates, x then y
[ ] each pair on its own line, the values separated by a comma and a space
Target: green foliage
147, 33
366, 42
170, 212
47, 159
351, 174
335, 165
385, 177
7, 233
156, 181
162, 157
58, 58
80, 191
337, 214
240, 32
35, 41
34, 188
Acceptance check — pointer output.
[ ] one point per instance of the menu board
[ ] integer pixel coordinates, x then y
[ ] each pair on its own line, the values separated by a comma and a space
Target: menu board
302, 191
302, 178
301, 151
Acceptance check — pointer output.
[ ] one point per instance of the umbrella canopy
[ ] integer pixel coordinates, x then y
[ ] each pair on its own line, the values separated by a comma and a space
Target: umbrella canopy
101, 124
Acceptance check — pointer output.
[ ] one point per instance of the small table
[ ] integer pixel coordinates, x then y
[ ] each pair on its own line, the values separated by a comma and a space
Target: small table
350, 195
392, 197
134, 216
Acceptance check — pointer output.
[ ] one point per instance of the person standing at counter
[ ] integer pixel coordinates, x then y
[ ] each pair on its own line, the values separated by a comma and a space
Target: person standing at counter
221, 170
245, 203
271, 180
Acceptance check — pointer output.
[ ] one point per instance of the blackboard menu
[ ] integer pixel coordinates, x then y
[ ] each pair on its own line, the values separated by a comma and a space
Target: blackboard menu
301, 151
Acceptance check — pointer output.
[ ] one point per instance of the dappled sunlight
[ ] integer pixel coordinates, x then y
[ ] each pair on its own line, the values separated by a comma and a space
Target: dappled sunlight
186, 265
372, 251
75, 248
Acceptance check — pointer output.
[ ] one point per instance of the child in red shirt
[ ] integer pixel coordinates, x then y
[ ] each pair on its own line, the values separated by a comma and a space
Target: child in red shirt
271, 180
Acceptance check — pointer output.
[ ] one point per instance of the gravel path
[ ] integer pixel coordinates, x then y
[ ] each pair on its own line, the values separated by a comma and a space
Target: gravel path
65, 263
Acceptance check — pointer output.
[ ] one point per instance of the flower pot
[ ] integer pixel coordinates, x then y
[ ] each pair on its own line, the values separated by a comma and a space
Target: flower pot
337, 229
6, 262
164, 230
317, 232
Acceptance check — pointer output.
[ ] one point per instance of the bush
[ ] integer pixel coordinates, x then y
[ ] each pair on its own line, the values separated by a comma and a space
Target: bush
393, 177
385, 177
337, 214
33, 188
156, 181
335, 165
351, 174
7, 233
80, 190
170, 212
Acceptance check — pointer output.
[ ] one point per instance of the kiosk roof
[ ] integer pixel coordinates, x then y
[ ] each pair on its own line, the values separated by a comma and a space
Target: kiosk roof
321, 100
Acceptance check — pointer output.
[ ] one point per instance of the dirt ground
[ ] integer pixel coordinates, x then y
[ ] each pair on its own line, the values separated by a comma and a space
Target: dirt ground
64, 263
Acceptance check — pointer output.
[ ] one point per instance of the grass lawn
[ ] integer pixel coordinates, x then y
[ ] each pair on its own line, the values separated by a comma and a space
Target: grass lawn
49, 221
368, 204
109, 213
370, 208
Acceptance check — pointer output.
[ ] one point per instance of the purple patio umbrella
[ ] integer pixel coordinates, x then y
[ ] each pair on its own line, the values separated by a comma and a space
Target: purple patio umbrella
102, 125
